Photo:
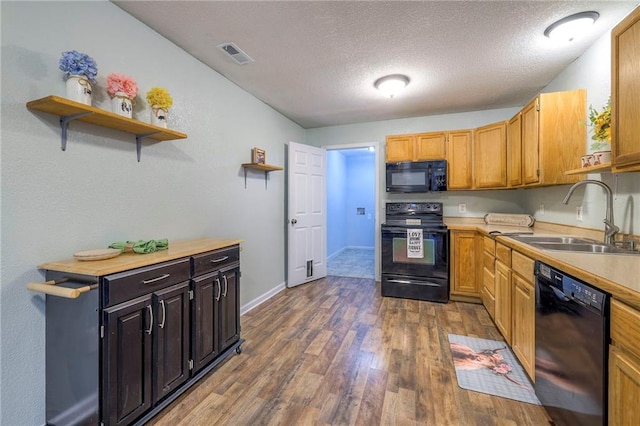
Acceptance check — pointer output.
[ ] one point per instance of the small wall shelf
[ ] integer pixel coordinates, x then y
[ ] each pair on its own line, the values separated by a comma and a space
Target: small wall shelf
69, 110
604, 167
266, 168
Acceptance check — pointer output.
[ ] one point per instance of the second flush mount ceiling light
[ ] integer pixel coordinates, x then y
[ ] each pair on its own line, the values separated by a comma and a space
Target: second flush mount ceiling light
391, 85
570, 27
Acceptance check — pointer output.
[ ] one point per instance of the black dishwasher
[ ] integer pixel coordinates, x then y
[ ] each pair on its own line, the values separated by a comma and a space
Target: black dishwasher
572, 338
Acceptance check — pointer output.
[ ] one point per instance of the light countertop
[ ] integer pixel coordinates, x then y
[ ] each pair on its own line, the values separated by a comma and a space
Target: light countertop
127, 261
618, 274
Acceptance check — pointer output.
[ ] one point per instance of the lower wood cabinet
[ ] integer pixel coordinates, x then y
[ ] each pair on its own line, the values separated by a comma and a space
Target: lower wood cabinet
523, 338
465, 281
624, 365
508, 293
503, 300
488, 275
624, 388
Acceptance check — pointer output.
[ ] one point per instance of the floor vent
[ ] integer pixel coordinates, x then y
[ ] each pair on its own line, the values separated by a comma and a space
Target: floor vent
236, 53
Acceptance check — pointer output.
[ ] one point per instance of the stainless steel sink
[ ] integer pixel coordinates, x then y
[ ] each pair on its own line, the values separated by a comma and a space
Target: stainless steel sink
583, 248
571, 244
532, 239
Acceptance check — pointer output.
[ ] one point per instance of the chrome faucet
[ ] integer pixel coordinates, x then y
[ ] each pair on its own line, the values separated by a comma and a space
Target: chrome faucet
609, 228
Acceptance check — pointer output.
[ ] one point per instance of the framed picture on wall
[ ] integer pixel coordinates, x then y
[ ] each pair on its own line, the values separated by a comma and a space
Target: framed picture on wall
258, 156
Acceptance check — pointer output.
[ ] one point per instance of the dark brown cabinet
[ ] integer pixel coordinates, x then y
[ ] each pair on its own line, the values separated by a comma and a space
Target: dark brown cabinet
216, 317
146, 340
127, 361
141, 336
172, 339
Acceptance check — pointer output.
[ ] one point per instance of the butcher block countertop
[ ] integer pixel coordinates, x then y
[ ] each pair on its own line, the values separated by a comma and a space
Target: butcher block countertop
127, 261
617, 274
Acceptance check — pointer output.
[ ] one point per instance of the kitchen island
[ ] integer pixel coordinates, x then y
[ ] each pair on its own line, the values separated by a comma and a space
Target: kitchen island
145, 328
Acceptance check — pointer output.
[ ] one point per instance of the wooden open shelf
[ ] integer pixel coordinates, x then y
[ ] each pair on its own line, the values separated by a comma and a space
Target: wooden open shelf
69, 110
604, 167
263, 167
266, 168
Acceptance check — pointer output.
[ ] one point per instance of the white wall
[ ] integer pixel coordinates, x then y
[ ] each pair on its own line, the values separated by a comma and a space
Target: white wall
361, 192
336, 201
55, 203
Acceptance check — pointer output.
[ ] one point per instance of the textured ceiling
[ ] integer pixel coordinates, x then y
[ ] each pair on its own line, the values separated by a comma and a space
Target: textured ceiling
316, 61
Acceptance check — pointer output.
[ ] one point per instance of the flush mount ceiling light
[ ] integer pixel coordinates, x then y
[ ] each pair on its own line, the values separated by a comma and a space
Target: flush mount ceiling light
391, 85
570, 27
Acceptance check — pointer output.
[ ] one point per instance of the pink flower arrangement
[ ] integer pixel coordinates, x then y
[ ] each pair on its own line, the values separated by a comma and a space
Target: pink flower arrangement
121, 83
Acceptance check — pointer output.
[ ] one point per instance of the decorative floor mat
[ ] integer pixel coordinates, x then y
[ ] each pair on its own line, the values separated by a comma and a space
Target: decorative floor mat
489, 366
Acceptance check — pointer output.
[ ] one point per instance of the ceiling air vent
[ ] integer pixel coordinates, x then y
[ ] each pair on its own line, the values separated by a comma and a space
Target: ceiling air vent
236, 54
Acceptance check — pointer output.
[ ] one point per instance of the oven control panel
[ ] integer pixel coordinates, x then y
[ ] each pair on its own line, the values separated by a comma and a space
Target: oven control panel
414, 208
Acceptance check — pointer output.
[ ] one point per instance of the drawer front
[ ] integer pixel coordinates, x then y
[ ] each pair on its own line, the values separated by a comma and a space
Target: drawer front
489, 245
488, 280
488, 261
213, 260
489, 302
118, 288
522, 265
625, 326
503, 253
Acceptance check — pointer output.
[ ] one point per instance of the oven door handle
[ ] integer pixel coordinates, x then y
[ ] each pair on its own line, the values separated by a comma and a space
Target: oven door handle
404, 230
414, 282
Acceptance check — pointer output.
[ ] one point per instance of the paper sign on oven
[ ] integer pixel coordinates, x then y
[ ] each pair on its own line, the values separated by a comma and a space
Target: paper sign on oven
415, 248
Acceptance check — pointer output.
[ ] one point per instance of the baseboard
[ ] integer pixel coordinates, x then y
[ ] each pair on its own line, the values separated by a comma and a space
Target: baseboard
262, 298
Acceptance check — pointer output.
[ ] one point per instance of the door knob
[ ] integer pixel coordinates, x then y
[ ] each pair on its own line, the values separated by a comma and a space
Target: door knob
294, 221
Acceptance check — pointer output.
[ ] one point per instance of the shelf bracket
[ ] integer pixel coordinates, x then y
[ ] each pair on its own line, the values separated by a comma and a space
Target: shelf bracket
266, 178
64, 124
139, 142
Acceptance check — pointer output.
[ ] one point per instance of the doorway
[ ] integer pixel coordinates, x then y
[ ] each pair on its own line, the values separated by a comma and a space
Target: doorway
352, 210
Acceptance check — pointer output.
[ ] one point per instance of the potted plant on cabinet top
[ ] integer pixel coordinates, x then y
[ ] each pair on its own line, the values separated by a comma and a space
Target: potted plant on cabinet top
122, 89
160, 101
80, 71
601, 124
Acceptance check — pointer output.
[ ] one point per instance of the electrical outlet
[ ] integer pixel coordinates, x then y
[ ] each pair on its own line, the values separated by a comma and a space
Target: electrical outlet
462, 208
579, 213
541, 209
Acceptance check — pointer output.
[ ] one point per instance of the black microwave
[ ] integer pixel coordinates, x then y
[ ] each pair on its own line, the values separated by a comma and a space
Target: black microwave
417, 176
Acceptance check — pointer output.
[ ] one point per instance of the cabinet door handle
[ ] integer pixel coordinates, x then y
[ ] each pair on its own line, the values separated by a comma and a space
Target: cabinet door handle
219, 289
153, 280
164, 314
220, 259
225, 286
151, 319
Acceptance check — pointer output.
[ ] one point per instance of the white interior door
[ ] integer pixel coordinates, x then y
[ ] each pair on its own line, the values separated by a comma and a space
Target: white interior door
307, 217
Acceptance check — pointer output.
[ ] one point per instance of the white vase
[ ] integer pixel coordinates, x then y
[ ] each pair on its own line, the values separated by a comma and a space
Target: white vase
79, 89
601, 157
159, 116
122, 105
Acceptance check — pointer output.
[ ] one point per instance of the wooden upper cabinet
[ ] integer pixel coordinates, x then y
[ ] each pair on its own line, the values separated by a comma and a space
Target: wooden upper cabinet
625, 94
529, 143
416, 147
514, 151
460, 160
553, 137
430, 146
399, 148
490, 156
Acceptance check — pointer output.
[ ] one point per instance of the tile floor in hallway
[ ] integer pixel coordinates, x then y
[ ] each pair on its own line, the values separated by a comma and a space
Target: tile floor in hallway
353, 262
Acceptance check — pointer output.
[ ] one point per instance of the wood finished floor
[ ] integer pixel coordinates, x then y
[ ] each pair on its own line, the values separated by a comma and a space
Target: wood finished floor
335, 352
